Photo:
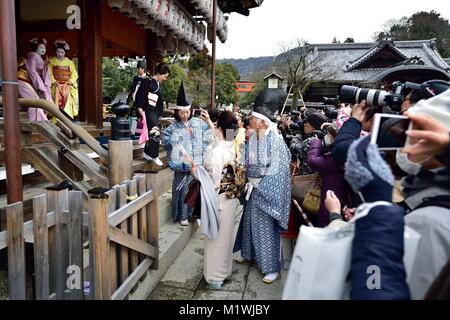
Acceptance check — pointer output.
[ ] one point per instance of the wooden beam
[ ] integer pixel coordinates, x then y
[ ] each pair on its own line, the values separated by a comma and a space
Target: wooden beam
126, 211
132, 280
16, 251
82, 63
92, 99
58, 201
120, 165
133, 227
8, 52
112, 204
124, 263
75, 230
40, 232
152, 217
142, 214
27, 231
98, 210
129, 241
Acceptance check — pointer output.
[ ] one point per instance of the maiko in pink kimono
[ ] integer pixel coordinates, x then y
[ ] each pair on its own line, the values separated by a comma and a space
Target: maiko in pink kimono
34, 79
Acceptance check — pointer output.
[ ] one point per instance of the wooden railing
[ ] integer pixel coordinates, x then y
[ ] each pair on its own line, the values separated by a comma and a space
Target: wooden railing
122, 242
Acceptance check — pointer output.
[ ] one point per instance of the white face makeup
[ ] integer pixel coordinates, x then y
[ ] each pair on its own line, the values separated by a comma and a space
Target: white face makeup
41, 49
60, 53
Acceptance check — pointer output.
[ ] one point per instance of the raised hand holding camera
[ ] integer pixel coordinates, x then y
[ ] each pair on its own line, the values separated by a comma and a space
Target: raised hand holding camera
359, 110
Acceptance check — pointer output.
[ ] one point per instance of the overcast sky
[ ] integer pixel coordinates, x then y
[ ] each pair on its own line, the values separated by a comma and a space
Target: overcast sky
316, 21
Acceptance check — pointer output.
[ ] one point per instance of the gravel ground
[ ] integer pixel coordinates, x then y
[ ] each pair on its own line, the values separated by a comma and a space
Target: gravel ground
4, 287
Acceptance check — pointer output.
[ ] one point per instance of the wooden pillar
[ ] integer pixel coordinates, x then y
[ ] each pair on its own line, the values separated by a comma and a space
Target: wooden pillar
99, 246
213, 55
82, 62
120, 161
152, 217
91, 79
16, 251
151, 55
8, 52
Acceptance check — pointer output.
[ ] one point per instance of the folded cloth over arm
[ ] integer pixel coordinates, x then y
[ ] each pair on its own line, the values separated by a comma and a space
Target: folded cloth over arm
209, 204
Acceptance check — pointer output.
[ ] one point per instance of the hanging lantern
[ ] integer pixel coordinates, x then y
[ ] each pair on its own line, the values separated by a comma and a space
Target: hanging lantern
154, 8
126, 9
134, 14
116, 5
142, 5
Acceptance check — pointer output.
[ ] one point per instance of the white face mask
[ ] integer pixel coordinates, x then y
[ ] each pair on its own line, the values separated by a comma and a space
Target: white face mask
328, 141
407, 165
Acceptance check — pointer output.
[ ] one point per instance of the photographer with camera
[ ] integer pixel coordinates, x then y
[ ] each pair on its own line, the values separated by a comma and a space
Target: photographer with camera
427, 199
357, 125
300, 144
332, 176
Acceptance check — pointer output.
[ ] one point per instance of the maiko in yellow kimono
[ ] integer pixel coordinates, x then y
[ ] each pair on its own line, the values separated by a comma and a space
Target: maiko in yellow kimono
64, 76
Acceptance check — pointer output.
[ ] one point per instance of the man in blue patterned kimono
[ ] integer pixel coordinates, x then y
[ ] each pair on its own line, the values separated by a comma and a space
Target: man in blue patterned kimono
189, 138
266, 213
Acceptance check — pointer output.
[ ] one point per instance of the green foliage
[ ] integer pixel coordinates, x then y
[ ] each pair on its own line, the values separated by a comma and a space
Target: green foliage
116, 79
420, 26
226, 77
198, 83
200, 62
171, 86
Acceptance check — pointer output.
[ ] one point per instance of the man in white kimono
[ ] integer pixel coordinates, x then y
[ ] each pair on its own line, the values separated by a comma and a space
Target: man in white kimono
266, 213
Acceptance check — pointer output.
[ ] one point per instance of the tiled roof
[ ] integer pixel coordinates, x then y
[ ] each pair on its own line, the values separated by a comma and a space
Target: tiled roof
274, 74
372, 52
335, 58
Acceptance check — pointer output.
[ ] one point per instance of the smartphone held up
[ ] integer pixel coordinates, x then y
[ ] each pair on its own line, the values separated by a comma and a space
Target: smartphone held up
389, 131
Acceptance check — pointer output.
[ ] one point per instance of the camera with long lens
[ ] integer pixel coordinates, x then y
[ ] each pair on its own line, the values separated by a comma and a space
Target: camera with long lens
375, 97
332, 101
330, 112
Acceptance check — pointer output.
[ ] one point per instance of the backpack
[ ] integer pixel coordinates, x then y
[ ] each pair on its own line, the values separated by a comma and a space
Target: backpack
438, 201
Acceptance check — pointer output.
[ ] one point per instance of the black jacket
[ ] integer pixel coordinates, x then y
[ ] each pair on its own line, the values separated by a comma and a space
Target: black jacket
149, 85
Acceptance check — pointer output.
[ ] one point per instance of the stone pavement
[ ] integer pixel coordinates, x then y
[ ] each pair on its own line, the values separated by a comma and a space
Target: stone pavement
184, 279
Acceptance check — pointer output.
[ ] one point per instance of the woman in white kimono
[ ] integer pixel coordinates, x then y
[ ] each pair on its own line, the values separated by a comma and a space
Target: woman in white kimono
217, 261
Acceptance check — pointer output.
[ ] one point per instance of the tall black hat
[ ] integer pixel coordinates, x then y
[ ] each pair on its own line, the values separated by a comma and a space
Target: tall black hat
182, 103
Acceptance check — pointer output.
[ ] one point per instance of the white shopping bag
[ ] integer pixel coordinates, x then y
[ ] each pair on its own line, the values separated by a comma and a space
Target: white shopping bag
320, 264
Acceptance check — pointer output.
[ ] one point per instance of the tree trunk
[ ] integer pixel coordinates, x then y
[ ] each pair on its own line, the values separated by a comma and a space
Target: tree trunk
294, 98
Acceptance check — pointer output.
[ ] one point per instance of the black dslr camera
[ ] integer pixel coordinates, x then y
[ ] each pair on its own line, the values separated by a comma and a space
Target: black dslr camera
330, 107
378, 98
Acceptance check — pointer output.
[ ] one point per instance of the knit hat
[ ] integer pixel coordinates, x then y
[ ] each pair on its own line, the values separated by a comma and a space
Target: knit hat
182, 103
367, 173
316, 120
437, 107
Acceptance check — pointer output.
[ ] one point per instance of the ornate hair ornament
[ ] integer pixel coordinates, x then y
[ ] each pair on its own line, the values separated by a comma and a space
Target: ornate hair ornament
61, 44
37, 41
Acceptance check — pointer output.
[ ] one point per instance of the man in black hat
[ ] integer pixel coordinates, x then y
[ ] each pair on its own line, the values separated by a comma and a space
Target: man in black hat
267, 162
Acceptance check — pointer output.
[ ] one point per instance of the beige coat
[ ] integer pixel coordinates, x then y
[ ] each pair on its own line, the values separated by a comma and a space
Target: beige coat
218, 255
